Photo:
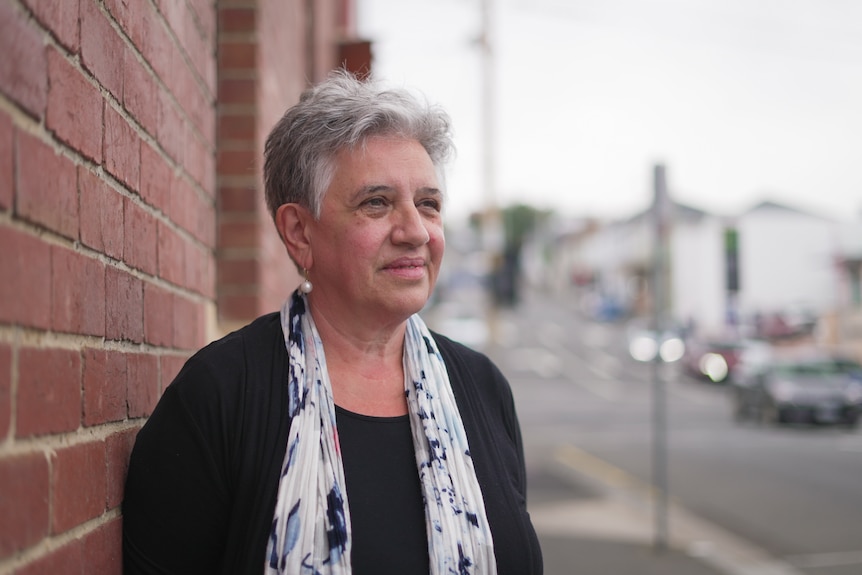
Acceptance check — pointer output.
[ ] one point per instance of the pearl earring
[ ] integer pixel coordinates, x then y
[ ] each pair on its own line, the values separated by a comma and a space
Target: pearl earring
306, 286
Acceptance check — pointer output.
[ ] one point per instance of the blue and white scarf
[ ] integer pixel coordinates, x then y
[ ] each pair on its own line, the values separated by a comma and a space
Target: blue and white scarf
311, 526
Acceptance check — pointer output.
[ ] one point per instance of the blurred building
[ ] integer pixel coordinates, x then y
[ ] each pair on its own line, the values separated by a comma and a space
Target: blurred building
132, 231
771, 267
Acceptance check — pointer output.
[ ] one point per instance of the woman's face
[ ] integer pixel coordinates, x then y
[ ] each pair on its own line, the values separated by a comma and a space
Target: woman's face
377, 247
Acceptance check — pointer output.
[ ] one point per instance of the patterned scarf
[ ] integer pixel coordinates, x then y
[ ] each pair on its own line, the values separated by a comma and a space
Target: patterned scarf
311, 526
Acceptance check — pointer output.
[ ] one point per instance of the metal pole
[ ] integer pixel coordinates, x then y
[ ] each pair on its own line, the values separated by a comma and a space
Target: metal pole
492, 238
661, 209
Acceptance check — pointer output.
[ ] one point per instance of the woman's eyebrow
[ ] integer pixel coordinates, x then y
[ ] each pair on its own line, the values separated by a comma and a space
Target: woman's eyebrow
372, 189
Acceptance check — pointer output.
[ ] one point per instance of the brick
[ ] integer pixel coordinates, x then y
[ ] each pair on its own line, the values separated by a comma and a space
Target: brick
49, 391
206, 226
5, 390
237, 307
127, 14
140, 93
238, 199
140, 243
239, 233
174, 75
237, 55
7, 161
103, 549
171, 254
171, 128
78, 485
233, 20
74, 108
206, 18
196, 259
233, 91
67, 560
200, 107
77, 293
101, 216
240, 126
236, 162
61, 18
238, 271
25, 292
182, 208
158, 316
47, 190
124, 306
199, 160
101, 49
23, 67
104, 377
156, 179
122, 149
188, 323
118, 448
23, 501
143, 384
156, 44
207, 286
197, 45
209, 183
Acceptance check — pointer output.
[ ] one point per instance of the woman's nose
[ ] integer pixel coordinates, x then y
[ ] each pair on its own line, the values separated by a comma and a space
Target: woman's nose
410, 226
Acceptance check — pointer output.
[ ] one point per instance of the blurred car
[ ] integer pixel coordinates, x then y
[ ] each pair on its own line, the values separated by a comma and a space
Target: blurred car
822, 390
646, 344
712, 358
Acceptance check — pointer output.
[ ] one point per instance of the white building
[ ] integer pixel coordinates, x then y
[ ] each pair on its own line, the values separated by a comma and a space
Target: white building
789, 262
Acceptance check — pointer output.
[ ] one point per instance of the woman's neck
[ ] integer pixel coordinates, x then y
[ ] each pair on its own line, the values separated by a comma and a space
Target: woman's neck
365, 366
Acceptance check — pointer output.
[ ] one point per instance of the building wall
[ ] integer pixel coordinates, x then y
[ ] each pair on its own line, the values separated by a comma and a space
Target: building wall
786, 260
130, 139
699, 295
269, 52
107, 230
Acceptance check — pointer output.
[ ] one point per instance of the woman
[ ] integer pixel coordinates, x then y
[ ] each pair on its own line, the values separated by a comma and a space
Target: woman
339, 436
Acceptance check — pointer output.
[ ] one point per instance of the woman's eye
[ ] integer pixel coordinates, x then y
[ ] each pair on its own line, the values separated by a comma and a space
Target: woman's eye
430, 204
375, 202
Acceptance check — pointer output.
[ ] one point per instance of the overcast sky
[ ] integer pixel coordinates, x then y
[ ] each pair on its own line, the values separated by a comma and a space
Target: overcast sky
742, 100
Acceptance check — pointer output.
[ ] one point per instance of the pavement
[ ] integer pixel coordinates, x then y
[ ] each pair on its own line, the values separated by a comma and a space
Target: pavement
595, 519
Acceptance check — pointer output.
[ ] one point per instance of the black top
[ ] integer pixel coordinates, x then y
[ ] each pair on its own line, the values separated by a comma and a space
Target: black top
203, 475
387, 515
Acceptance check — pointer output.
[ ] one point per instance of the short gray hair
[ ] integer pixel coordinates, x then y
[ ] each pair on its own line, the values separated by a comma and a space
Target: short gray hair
343, 112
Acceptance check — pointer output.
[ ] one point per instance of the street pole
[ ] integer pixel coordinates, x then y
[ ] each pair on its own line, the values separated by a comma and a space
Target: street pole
492, 233
662, 216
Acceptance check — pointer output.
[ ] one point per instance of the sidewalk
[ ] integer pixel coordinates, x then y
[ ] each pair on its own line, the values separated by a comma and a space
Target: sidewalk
593, 519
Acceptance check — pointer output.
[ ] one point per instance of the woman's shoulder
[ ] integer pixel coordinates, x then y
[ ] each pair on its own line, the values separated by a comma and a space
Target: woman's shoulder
451, 349
238, 357
246, 339
468, 366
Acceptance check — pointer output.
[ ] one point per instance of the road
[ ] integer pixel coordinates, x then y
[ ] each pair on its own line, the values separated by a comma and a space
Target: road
788, 496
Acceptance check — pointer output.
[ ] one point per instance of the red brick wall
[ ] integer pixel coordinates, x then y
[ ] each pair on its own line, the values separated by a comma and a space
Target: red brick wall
118, 171
261, 68
107, 267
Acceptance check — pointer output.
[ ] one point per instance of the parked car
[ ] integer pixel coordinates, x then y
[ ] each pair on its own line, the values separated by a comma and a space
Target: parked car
712, 358
822, 390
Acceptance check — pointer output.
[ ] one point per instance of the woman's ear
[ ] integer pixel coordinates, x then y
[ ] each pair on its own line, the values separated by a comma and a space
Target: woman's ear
294, 226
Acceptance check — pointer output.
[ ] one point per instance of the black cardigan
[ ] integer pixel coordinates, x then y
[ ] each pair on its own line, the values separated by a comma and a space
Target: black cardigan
203, 475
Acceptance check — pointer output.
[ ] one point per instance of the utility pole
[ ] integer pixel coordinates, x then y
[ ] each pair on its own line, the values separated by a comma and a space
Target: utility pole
662, 213
492, 232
